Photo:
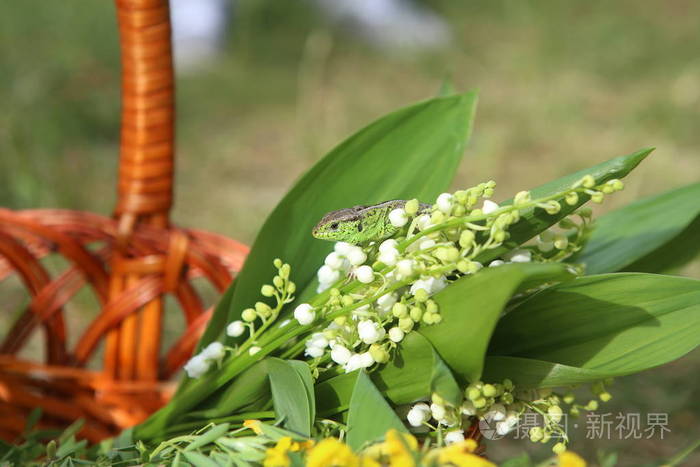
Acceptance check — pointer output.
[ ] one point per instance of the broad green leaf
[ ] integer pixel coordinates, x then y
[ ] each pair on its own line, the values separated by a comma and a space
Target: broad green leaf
246, 392
369, 415
413, 152
304, 372
674, 254
644, 230
534, 221
333, 394
443, 383
613, 323
471, 307
290, 396
531, 373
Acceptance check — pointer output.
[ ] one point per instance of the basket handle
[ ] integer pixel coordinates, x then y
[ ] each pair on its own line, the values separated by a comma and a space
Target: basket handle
146, 163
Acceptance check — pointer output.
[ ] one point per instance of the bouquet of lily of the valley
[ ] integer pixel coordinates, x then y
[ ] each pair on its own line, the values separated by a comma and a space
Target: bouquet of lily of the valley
374, 301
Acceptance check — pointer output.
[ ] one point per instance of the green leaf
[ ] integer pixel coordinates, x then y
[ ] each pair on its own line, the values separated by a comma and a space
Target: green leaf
212, 434
532, 373
369, 415
247, 392
199, 460
443, 383
290, 396
471, 307
612, 324
304, 372
413, 152
534, 221
674, 254
643, 231
72, 429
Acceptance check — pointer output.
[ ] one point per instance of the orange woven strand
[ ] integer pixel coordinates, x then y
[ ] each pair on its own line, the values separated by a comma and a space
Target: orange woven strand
146, 168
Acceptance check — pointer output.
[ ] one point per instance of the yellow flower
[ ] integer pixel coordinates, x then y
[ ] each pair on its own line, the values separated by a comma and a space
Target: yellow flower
277, 456
331, 452
569, 459
461, 455
398, 447
253, 425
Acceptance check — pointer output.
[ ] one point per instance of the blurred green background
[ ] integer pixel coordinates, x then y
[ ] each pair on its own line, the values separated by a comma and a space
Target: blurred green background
563, 85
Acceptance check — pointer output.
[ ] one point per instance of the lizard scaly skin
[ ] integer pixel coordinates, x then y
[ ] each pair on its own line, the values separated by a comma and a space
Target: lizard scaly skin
360, 224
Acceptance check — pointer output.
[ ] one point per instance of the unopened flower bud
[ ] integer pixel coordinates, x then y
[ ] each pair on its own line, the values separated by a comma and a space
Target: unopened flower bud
561, 242
364, 274
522, 197
444, 202
396, 334
559, 448
555, 413
398, 217
249, 315
421, 295
536, 434
399, 310
235, 328
489, 207
263, 309
592, 405
304, 314
379, 353
588, 181
411, 207
267, 290
406, 324
553, 207
489, 390
571, 198
437, 217
419, 414
285, 270
416, 313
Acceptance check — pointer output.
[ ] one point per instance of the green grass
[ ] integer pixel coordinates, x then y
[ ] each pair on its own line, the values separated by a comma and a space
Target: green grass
563, 85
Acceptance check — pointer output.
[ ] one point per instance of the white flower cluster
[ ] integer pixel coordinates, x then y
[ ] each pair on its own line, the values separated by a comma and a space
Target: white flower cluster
200, 363
498, 407
493, 403
282, 290
337, 264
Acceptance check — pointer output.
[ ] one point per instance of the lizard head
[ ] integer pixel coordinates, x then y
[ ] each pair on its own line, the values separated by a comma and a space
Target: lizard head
340, 226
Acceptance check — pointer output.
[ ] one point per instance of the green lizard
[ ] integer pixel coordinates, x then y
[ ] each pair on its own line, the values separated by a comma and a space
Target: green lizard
361, 224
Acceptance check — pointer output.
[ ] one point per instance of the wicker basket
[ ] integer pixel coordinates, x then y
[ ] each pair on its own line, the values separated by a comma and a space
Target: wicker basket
130, 262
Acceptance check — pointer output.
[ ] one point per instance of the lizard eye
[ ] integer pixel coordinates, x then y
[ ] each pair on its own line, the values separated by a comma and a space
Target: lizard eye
334, 226
359, 227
